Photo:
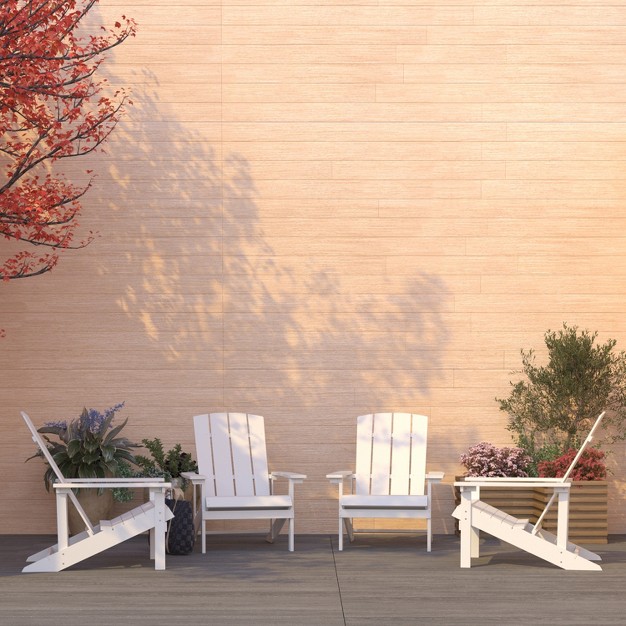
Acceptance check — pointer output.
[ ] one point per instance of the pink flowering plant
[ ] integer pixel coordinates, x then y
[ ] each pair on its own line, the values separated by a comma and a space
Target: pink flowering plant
485, 459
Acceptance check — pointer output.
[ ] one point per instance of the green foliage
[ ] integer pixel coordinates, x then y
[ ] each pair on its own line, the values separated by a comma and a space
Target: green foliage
122, 494
554, 408
87, 447
168, 464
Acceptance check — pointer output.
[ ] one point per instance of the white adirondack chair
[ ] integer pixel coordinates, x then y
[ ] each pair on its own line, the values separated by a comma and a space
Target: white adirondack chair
233, 475
151, 516
390, 472
474, 516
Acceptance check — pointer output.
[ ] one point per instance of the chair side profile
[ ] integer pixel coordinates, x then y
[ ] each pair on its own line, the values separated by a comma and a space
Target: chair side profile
150, 516
390, 479
474, 516
233, 478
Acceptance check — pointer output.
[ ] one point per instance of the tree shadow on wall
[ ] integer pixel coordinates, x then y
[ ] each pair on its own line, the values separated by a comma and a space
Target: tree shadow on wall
230, 310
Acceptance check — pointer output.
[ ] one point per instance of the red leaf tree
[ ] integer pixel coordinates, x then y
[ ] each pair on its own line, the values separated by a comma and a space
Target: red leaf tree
52, 107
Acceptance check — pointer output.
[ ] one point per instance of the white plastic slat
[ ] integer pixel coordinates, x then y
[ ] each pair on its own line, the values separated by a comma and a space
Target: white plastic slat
381, 454
418, 454
400, 454
222, 458
38, 439
147, 506
259, 455
384, 502
363, 454
204, 452
240, 445
249, 502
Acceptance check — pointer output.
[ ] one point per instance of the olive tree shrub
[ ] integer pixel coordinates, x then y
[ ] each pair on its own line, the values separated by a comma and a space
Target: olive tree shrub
553, 408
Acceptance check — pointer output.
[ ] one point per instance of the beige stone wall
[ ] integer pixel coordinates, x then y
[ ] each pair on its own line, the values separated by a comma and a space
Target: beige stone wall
321, 209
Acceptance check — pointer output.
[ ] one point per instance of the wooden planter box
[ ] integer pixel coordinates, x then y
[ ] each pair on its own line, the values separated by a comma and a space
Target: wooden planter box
588, 511
588, 508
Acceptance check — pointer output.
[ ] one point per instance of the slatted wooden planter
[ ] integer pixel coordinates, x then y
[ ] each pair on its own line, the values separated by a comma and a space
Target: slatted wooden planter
588, 511
587, 515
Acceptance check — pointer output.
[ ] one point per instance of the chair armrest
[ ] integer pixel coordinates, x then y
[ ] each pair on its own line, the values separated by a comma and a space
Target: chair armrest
339, 476
80, 481
196, 479
522, 482
289, 476
435, 477
294, 479
112, 483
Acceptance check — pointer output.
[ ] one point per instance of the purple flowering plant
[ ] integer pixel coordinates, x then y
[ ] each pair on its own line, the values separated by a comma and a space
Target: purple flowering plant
485, 459
88, 446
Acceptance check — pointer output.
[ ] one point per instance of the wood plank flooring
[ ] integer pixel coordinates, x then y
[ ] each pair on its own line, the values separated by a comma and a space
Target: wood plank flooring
379, 579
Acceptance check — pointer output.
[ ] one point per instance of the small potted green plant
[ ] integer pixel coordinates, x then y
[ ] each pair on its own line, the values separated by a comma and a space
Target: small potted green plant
181, 530
170, 464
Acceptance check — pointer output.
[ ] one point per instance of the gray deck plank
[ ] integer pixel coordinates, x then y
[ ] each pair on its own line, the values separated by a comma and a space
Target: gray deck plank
376, 580
388, 580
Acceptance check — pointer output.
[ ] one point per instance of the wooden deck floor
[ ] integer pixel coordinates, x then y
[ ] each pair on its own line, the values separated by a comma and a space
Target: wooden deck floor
382, 580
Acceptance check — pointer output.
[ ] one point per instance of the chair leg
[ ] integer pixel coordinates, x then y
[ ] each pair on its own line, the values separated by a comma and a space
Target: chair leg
291, 534
203, 531
429, 535
340, 534
151, 534
275, 529
347, 522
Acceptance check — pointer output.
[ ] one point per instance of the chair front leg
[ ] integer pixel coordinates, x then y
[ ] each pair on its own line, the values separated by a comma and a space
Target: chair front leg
469, 535
429, 528
62, 519
158, 531
562, 523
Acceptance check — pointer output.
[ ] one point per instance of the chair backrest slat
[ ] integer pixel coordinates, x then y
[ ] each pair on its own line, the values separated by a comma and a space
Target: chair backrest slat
586, 442
364, 428
231, 453
204, 451
381, 455
391, 454
222, 457
258, 452
419, 443
400, 454
38, 439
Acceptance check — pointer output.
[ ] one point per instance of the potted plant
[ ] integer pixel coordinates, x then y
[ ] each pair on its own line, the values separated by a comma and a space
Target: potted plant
552, 409
485, 459
590, 466
170, 464
181, 530
88, 447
